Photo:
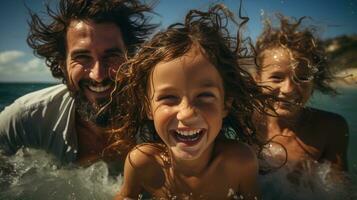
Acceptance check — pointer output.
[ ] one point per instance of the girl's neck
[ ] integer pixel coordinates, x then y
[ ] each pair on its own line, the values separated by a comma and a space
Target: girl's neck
194, 167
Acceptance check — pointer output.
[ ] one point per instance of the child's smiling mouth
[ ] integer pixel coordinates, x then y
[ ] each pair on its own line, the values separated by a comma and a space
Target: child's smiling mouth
189, 137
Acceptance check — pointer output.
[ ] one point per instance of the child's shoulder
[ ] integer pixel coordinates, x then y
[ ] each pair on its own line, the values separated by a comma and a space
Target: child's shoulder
235, 153
327, 121
325, 117
146, 155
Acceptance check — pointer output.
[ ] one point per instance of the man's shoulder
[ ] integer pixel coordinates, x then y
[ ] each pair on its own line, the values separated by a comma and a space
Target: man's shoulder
40, 98
44, 95
36, 103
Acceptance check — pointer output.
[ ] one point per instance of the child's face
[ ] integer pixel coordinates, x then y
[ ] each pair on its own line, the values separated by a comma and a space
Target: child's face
289, 79
187, 104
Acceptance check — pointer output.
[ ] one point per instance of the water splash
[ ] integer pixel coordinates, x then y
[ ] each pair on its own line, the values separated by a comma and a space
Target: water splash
33, 174
312, 181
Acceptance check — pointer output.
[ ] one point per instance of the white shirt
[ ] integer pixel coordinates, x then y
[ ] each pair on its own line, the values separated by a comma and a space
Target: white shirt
43, 119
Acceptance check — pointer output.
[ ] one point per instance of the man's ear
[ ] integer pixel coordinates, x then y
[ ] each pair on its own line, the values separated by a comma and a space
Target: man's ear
62, 66
256, 77
227, 107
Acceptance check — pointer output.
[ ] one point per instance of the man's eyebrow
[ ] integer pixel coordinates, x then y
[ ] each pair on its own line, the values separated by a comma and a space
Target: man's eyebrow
79, 51
114, 50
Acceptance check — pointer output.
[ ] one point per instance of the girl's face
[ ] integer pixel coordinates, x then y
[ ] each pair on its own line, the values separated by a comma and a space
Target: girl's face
288, 78
187, 104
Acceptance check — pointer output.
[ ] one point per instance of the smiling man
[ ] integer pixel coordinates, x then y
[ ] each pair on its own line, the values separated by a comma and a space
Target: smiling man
83, 44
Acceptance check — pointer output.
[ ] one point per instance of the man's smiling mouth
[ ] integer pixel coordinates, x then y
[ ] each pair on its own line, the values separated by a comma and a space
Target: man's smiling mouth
99, 88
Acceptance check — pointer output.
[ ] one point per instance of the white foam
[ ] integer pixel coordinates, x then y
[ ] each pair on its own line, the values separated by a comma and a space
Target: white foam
33, 174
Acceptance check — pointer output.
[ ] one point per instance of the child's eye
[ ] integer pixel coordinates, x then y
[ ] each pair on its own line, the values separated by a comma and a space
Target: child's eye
276, 79
167, 98
206, 94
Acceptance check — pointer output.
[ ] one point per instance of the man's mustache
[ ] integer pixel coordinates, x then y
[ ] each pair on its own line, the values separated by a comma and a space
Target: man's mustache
85, 82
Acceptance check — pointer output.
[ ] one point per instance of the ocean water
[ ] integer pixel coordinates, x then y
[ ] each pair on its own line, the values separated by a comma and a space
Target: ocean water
11, 91
32, 174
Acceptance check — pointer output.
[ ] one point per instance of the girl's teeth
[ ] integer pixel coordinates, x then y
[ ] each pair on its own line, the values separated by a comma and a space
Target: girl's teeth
188, 133
188, 136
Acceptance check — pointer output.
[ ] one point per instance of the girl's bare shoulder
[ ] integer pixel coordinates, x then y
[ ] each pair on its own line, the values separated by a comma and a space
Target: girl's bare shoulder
236, 153
147, 156
327, 122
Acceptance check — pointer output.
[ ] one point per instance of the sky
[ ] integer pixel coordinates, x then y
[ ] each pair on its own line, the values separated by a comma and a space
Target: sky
18, 64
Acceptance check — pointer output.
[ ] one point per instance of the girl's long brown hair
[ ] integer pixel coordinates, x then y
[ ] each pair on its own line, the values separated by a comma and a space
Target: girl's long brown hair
209, 31
301, 40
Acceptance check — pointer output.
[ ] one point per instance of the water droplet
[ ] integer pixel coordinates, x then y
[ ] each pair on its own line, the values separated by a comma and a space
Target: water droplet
261, 12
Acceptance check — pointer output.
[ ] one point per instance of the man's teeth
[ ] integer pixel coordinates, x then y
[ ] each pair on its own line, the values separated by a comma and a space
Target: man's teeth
99, 88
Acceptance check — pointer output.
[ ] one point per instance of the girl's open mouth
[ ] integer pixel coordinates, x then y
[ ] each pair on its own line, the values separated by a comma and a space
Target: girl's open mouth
189, 137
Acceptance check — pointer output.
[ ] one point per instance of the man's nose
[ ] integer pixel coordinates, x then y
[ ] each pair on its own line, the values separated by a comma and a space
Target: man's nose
98, 72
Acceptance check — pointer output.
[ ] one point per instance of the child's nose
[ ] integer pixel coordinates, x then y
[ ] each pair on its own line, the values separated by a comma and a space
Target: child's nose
287, 86
186, 112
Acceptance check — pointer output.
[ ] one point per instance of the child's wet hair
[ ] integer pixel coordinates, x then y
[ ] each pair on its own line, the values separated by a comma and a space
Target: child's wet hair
208, 31
302, 41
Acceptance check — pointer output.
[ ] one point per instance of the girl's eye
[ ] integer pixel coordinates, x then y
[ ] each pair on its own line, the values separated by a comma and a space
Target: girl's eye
206, 95
167, 99
276, 79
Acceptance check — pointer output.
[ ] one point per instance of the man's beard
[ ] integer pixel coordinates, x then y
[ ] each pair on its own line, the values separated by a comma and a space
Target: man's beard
91, 112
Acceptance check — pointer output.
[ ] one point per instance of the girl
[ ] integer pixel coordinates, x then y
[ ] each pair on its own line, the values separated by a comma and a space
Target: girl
186, 87
292, 63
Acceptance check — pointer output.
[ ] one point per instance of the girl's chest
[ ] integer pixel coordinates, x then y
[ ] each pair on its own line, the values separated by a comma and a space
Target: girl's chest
211, 185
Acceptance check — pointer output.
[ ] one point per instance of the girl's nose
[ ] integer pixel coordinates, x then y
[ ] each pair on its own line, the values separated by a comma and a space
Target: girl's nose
287, 86
186, 113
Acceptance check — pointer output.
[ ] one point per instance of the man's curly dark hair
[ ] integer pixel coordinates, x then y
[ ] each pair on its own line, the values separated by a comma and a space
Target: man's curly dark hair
48, 38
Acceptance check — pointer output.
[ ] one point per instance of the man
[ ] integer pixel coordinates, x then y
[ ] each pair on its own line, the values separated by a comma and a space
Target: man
83, 45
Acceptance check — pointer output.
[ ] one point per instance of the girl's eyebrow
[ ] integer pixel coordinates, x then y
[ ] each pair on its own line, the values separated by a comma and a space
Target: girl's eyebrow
209, 83
165, 88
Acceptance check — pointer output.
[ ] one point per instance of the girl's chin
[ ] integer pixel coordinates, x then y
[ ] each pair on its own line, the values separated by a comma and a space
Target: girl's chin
180, 154
288, 113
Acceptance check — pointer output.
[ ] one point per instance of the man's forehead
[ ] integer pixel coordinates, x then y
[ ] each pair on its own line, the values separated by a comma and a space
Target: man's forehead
88, 34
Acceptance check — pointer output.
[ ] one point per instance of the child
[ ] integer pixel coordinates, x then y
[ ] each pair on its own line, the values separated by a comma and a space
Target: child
186, 87
292, 63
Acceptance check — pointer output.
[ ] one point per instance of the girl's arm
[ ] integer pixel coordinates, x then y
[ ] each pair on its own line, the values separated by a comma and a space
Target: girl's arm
248, 172
132, 186
338, 136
